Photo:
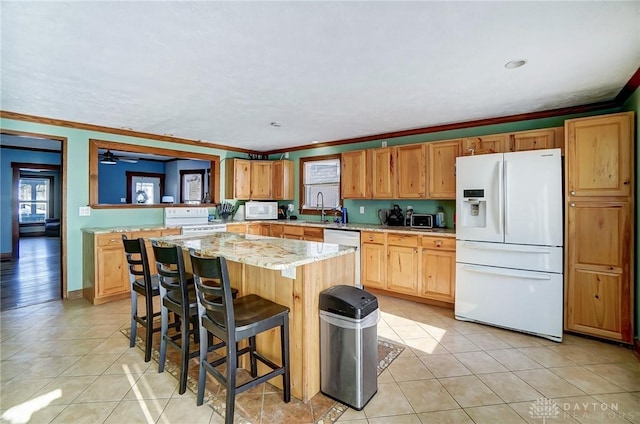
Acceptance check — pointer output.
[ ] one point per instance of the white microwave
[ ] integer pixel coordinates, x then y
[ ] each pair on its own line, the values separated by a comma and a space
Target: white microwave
261, 210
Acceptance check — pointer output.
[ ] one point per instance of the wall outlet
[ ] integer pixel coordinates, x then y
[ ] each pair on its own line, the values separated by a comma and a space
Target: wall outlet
384, 144
361, 209
286, 155
84, 211
123, 200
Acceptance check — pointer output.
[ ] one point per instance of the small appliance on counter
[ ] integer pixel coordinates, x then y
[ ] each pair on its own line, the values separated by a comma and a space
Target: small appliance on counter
422, 220
395, 217
283, 211
261, 210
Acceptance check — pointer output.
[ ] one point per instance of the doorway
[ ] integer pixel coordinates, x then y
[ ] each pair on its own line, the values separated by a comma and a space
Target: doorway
33, 200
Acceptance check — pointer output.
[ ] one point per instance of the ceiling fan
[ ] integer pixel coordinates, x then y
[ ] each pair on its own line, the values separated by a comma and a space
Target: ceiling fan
108, 158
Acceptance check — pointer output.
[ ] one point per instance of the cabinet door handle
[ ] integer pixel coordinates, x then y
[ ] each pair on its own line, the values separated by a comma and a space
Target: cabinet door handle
438, 243
573, 205
573, 193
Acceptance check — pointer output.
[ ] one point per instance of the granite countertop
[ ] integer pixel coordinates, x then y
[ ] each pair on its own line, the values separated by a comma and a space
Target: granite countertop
126, 228
440, 232
260, 251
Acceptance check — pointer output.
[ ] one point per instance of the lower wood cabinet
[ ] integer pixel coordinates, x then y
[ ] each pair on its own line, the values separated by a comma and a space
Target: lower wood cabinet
105, 275
438, 272
314, 234
373, 260
402, 263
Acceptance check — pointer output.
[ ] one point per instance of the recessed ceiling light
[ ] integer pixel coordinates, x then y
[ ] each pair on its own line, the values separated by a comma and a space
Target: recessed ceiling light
515, 64
315, 142
276, 124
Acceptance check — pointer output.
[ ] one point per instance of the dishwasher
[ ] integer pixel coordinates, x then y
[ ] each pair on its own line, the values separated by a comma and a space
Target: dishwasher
346, 238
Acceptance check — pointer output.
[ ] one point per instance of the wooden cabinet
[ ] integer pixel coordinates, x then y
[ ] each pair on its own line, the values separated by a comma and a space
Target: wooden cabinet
255, 228
261, 179
355, 183
442, 169
313, 234
599, 155
438, 272
105, 275
402, 263
293, 232
411, 167
373, 259
383, 173
237, 179
496, 143
276, 230
599, 289
283, 184
532, 140
240, 228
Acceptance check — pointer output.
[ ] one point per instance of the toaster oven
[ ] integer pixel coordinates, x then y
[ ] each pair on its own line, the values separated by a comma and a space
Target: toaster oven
422, 220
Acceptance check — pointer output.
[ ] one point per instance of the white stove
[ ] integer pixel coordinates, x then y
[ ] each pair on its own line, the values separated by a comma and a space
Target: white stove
193, 221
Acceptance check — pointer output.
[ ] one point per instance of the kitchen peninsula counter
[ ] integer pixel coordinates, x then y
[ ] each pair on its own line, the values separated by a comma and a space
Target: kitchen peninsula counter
289, 272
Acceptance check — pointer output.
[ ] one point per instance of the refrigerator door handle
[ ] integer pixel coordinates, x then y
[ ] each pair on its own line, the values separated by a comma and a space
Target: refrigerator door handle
506, 273
508, 248
500, 181
506, 199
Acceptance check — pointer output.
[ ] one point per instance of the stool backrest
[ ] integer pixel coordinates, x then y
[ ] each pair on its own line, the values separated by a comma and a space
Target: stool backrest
137, 261
171, 273
213, 289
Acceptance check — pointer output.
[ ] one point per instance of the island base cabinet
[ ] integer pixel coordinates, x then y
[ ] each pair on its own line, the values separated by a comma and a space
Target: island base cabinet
596, 304
112, 269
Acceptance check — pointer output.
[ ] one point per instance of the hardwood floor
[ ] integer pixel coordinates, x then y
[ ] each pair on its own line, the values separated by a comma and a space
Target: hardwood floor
35, 277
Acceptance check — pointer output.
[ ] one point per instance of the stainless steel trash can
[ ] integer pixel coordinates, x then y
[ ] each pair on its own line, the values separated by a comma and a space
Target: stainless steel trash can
349, 345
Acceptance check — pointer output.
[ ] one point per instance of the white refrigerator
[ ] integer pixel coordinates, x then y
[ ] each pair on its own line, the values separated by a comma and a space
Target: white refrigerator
509, 269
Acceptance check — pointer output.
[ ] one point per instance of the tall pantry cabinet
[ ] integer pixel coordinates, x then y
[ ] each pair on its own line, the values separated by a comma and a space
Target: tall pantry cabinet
599, 226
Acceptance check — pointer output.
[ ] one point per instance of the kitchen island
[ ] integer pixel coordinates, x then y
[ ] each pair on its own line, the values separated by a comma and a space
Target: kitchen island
289, 272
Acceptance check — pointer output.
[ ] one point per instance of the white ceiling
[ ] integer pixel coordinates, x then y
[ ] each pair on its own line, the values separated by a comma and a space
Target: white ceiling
222, 71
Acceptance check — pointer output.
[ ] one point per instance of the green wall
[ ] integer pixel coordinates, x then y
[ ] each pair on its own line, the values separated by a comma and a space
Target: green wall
633, 104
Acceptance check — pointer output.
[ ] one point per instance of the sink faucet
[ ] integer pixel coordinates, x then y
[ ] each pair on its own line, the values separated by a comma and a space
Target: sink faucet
322, 213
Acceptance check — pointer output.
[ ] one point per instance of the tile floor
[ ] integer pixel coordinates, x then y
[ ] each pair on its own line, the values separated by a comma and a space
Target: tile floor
66, 362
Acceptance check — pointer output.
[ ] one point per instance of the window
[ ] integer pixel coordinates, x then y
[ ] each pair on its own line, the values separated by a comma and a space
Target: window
320, 183
34, 199
144, 188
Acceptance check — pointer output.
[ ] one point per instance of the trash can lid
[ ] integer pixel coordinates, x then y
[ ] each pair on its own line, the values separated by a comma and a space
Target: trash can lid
348, 301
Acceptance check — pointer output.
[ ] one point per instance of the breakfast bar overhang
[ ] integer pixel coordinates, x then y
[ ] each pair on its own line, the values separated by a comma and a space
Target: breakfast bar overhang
289, 272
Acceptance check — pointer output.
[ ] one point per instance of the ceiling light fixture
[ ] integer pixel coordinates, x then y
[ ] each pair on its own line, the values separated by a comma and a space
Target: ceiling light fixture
515, 64
315, 142
108, 158
275, 124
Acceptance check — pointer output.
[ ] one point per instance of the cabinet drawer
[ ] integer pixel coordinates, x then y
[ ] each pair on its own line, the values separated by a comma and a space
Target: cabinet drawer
293, 230
314, 232
170, 232
370, 237
110, 239
143, 234
439, 243
402, 240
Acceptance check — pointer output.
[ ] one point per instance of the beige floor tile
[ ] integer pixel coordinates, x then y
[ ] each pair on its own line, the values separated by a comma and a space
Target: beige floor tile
407, 353
32, 414
111, 345
108, 388
618, 374
65, 389
396, 419
588, 410
454, 416
137, 411
479, 362
445, 366
458, 343
396, 319
502, 414
132, 362
510, 387
549, 384
389, 400
361, 421
385, 377
533, 412
407, 369
413, 331
174, 412
546, 357
614, 353
580, 354
427, 396
91, 365
391, 335
153, 386
513, 359
437, 330
487, 341
470, 391
585, 380
11, 368
20, 390
352, 415
10, 348
76, 347
49, 367
466, 328
625, 404
425, 346
85, 413
517, 340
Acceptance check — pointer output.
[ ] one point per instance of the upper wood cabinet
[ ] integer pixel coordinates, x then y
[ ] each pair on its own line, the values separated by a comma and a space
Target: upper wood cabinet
411, 167
442, 169
598, 155
497, 143
354, 181
237, 183
532, 140
383, 173
283, 185
261, 179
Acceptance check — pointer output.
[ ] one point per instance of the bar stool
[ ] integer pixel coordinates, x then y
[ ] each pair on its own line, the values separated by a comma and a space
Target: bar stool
178, 296
232, 321
142, 283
